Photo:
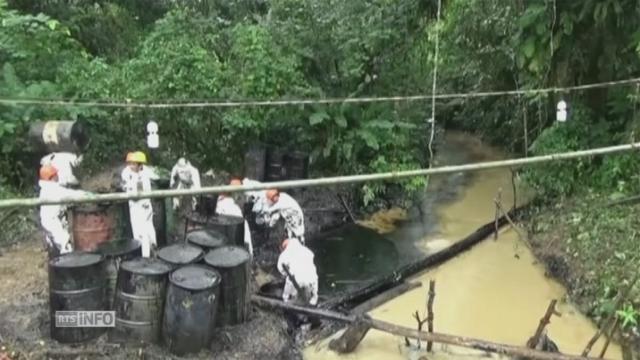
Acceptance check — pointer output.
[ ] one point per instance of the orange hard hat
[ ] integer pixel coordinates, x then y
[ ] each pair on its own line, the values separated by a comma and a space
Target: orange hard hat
284, 244
235, 182
271, 193
48, 172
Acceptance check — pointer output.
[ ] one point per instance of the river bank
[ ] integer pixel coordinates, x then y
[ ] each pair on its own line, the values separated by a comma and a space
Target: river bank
591, 248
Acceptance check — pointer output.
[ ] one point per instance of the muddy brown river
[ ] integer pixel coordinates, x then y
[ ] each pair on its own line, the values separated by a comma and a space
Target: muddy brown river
496, 291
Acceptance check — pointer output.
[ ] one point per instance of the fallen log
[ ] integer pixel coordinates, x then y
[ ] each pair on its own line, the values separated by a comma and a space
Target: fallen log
387, 281
503, 349
353, 335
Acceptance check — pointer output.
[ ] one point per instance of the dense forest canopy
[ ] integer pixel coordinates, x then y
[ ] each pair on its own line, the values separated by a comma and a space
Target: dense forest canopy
171, 50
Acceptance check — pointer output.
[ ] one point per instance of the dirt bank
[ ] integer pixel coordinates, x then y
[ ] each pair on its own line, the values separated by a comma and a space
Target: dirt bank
592, 249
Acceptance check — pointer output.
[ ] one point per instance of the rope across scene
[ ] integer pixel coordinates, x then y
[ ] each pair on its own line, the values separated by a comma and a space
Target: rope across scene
156, 104
21, 203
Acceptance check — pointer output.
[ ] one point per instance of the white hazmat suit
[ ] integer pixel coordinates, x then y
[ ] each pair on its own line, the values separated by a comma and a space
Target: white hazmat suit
53, 218
227, 206
184, 176
290, 211
64, 162
299, 260
140, 211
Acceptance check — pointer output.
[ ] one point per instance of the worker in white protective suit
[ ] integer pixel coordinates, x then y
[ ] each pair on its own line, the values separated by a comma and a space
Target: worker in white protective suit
296, 261
184, 176
53, 218
64, 162
227, 206
282, 205
137, 178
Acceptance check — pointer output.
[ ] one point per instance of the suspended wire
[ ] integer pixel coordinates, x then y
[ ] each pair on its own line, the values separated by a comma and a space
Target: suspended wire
269, 103
434, 86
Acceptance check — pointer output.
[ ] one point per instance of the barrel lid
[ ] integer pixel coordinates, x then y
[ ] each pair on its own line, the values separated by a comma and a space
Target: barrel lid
214, 219
75, 259
195, 277
208, 238
180, 254
118, 248
145, 266
227, 257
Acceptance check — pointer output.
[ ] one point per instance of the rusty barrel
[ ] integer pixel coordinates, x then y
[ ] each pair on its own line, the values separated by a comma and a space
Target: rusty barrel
94, 224
190, 309
76, 283
139, 300
177, 255
59, 136
206, 239
234, 265
114, 253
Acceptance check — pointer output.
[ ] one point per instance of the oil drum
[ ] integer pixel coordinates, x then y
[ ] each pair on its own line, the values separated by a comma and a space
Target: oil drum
234, 265
255, 162
177, 255
296, 164
114, 253
139, 300
59, 136
190, 309
94, 224
275, 168
76, 283
232, 227
206, 239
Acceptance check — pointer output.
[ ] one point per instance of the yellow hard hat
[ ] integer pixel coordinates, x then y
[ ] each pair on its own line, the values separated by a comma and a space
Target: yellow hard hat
137, 157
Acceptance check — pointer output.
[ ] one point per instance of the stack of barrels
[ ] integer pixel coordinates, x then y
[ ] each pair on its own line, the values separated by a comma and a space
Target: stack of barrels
178, 299
274, 164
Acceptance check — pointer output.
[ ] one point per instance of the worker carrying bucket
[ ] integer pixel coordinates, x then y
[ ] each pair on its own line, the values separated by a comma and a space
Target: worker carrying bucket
282, 205
136, 177
296, 264
53, 218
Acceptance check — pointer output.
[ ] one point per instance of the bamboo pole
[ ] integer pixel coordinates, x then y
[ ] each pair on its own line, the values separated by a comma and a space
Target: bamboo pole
350, 179
504, 349
612, 333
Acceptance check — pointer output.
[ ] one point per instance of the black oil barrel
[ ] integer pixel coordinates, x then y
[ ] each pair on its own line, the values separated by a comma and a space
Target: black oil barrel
233, 264
296, 165
160, 213
230, 226
255, 162
206, 239
115, 252
139, 300
59, 136
275, 168
190, 309
76, 283
177, 255
206, 205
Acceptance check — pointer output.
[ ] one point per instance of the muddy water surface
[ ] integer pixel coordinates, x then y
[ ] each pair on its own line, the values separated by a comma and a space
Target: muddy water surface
496, 291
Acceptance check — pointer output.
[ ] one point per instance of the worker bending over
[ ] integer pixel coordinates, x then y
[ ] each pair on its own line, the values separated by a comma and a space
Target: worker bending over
296, 261
53, 218
227, 206
137, 178
184, 176
282, 205
64, 162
